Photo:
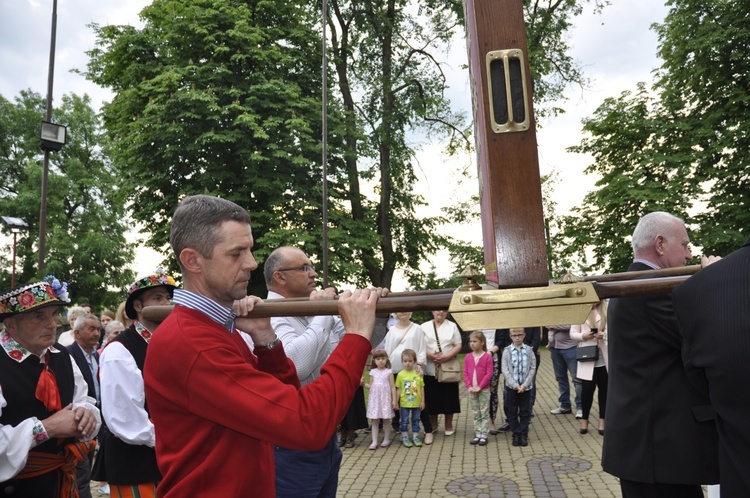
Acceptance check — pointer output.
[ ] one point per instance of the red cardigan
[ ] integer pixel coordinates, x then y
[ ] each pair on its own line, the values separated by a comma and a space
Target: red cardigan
218, 409
484, 370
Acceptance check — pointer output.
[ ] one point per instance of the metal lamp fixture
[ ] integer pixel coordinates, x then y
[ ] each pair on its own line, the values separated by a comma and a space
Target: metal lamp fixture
15, 225
53, 136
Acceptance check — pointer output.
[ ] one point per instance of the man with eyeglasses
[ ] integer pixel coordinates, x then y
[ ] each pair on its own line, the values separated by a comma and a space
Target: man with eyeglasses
307, 341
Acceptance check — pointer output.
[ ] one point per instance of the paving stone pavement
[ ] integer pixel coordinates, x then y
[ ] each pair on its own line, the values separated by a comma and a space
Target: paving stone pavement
559, 462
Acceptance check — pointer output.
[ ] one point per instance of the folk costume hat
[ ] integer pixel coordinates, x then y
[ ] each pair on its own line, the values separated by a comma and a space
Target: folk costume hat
158, 279
30, 297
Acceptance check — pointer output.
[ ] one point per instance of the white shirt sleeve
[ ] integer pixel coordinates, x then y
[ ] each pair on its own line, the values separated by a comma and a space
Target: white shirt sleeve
15, 444
309, 348
124, 397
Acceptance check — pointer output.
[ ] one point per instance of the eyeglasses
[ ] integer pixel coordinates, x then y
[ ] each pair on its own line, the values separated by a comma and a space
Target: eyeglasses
303, 268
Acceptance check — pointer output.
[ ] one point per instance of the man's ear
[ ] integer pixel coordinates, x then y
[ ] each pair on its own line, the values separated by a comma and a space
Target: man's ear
137, 305
659, 244
191, 260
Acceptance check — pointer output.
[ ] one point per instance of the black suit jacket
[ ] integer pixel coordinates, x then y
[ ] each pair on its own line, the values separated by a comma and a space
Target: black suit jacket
80, 359
713, 310
660, 428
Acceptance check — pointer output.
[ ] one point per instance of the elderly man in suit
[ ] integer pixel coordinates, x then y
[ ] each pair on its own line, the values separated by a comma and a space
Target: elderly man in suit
713, 310
83, 351
661, 438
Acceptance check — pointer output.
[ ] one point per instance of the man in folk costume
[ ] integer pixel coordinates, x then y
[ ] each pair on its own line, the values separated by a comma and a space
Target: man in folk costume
47, 420
129, 457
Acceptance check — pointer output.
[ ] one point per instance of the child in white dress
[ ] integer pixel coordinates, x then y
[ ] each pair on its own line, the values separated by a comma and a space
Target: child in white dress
380, 404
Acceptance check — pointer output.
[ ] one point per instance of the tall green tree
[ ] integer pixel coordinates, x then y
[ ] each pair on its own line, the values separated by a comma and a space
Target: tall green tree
86, 244
227, 102
704, 84
681, 147
389, 55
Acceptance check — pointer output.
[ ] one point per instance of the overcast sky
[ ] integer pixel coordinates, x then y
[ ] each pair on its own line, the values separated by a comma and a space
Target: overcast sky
617, 49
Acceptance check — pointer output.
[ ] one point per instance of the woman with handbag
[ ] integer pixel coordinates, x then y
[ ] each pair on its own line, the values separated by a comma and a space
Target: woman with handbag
442, 372
592, 362
405, 334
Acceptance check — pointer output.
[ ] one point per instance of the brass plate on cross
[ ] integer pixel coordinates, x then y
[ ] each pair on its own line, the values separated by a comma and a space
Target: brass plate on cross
530, 307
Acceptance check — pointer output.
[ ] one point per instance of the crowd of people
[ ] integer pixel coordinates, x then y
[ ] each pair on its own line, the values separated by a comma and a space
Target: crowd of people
269, 403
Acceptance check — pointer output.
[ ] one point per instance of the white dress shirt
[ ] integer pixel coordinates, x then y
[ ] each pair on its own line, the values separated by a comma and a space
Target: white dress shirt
124, 396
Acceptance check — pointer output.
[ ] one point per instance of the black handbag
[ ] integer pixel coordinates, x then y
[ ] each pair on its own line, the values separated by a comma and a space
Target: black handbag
587, 353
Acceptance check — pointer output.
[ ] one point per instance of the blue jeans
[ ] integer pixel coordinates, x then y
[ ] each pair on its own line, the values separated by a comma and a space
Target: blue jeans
409, 414
308, 473
564, 361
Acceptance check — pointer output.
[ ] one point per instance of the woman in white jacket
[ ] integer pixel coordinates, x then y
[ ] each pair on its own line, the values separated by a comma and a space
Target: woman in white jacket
593, 374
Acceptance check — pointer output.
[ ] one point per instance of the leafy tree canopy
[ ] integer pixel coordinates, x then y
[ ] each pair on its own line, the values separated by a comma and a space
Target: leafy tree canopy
683, 147
86, 243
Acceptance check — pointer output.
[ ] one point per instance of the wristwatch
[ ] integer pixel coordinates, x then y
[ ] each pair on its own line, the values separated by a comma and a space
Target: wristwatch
270, 345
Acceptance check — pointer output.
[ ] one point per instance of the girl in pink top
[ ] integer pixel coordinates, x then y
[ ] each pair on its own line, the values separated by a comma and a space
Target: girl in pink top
477, 376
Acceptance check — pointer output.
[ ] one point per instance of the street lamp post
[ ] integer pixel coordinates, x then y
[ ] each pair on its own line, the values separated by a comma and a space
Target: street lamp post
15, 225
50, 141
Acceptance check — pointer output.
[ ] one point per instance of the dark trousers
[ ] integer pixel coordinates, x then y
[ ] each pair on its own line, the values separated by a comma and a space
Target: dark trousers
83, 477
518, 406
587, 392
308, 473
632, 489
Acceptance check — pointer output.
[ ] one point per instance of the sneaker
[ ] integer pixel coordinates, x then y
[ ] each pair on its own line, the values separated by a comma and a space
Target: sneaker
505, 427
407, 442
579, 414
104, 489
560, 411
428, 438
416, 441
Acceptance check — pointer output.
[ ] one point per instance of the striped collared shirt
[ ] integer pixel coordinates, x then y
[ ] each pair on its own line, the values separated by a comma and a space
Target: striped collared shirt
220, 314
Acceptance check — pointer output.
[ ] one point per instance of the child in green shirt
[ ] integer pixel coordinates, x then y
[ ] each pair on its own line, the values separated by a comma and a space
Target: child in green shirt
410, 395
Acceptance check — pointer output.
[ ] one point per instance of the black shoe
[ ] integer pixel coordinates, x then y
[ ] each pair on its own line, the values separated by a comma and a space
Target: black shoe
583, 431
515, 440
523, 441
474, 441
504, 428
601, 431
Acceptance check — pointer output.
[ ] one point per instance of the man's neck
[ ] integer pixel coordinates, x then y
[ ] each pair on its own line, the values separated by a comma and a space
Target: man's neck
148, 324
89, 352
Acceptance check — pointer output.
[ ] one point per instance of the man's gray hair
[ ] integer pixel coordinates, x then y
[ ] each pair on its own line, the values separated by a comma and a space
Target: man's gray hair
272, 264
650, 226
78, 324
197, 221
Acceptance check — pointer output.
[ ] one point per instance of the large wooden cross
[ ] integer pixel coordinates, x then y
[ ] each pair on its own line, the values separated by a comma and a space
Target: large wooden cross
515, 252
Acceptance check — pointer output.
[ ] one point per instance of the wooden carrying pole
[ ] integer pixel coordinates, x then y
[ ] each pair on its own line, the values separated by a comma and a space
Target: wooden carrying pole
429, 302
